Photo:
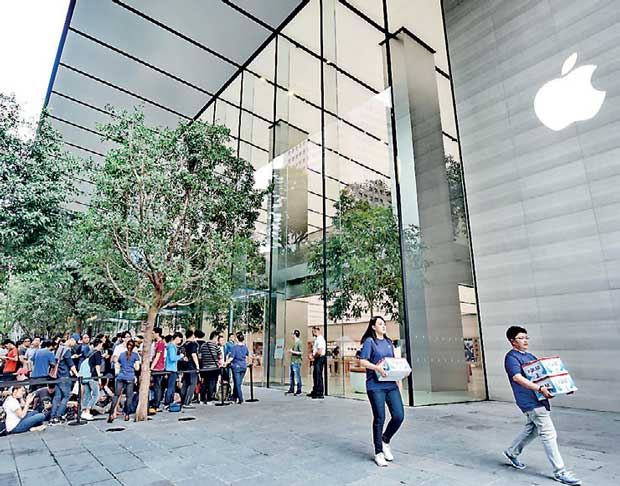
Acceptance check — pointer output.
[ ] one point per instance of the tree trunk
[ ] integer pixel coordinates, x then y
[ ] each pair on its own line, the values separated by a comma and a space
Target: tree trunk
145, 370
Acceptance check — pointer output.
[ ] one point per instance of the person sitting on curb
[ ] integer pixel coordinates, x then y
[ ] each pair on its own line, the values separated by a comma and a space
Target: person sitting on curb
537, 412
18, 418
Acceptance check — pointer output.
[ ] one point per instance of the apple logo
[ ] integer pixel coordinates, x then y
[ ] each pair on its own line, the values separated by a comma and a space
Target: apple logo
570, 98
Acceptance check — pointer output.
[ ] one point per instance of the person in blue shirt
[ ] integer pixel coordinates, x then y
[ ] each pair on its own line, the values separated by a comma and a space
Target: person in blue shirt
238, 362
43, 358
171, 367
125, 380
226, 375
537, 412
63, 387
376, 346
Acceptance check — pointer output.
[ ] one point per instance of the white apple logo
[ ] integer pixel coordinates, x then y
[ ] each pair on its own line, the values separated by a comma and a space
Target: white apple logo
569, 98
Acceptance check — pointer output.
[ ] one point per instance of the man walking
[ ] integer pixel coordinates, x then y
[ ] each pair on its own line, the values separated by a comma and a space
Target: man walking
537, 412
295, 368
318, 357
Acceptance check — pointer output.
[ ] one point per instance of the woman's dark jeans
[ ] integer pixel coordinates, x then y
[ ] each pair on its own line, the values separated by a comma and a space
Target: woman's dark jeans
119, 387
238, 374
378, 399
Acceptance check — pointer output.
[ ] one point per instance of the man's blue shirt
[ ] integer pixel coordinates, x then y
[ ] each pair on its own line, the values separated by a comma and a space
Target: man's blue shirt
43, 359
525, 398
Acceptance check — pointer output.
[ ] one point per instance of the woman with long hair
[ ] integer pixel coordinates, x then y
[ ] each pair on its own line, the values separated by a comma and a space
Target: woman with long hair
376, 345
125, 379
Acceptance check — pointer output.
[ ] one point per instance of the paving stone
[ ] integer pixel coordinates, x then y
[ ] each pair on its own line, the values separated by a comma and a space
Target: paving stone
49, 476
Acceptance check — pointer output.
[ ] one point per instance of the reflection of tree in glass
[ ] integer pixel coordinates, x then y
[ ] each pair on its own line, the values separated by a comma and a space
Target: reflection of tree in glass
454, 173
363, 256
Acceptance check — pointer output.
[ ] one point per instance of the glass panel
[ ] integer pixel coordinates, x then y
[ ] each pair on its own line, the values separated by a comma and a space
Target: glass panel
295, 210
363, 249
441, 303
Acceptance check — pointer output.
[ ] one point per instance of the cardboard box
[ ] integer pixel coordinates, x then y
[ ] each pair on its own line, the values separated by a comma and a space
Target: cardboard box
543, 367
396, 368
558, 385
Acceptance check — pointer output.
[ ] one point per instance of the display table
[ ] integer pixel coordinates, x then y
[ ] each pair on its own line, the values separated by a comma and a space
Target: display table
357, 377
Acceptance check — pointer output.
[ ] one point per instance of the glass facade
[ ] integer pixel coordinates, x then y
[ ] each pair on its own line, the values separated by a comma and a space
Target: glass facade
345, 109
352, 123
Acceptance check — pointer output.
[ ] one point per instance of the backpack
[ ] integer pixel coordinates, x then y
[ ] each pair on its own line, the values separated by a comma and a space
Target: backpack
182, 365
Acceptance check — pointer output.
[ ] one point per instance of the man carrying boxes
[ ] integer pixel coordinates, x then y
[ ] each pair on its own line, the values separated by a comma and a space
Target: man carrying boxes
537, 411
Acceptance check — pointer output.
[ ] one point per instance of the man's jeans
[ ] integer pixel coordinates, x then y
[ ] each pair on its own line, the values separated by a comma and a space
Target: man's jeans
378, 399
207, 391
238, 374
61, 397
539, 422
31, 419
317, 376
190, 380
172, 384
295, 370
91, 394
157, 392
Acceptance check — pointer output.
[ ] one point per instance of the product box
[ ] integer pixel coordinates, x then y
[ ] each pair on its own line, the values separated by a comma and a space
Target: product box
558, 385
396, 368
543, 367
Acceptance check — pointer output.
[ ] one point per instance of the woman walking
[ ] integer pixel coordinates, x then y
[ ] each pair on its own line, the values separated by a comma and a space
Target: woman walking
129, 361
376, 346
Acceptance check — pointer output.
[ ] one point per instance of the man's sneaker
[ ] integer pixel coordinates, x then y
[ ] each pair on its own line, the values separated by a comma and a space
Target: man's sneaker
55, 421
289, 392
387, 452
566, 477
317, 397
38, 428
297, 393
380, 460
87, 416
514, 461
311, 394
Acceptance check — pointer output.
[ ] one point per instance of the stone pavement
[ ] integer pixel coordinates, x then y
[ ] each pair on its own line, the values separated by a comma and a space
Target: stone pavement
295, 440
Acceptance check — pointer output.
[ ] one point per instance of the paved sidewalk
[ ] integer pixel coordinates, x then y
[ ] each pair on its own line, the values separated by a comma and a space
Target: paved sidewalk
295, 440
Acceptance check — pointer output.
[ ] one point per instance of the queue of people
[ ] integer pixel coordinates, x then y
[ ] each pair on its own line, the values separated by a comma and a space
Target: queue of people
185, 371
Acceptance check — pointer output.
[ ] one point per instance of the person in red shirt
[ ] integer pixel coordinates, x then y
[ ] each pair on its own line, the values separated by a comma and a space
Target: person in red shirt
157, 364
10, 360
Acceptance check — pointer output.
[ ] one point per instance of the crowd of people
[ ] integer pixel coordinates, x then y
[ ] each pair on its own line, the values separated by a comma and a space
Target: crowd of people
186, 369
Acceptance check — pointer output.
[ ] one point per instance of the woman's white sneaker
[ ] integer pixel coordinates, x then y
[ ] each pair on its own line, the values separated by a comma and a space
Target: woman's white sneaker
387, 452
380, 460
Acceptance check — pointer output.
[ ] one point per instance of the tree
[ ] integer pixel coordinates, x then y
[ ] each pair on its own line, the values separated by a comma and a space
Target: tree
60, 294
171, 210
36, 182
454, 172
362, 256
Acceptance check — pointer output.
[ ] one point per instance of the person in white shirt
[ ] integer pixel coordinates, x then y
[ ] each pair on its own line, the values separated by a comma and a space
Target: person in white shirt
318, 358
18, 418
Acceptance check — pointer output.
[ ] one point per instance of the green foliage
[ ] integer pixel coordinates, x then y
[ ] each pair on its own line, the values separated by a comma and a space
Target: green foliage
454, 173
36, 182
60, 294
171, 210
362, 257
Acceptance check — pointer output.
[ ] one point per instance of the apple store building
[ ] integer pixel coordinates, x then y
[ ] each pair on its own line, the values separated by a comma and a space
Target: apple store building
452, 166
